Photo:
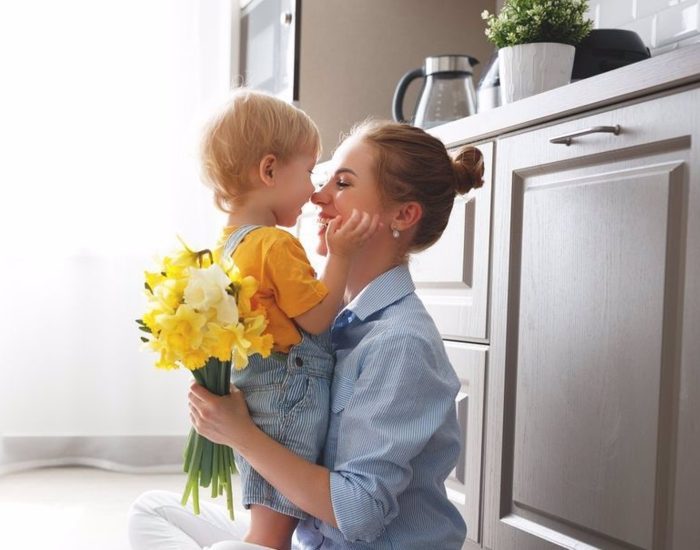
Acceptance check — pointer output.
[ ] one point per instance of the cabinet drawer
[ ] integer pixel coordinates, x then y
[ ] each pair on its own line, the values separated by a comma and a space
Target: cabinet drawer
452, 275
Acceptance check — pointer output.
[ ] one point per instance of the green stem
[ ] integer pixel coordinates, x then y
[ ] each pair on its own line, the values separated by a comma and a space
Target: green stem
229, 491
197, 373
187, 491
204, 461
193, 475
195, 494
188, 450
215, 471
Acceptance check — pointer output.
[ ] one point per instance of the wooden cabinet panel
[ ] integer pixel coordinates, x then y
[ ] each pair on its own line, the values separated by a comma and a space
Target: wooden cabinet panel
593, 437
452, 275
464, 484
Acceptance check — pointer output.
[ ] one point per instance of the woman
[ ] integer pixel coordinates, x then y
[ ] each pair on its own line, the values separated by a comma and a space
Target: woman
393, 436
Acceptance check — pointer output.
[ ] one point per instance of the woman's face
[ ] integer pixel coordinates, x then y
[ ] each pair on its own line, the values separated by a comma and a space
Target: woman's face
352, 184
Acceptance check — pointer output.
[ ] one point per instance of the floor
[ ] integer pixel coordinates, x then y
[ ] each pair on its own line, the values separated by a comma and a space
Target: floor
76, 508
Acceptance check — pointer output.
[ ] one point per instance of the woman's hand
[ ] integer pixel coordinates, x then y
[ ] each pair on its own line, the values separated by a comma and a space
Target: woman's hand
225, 419
220, 418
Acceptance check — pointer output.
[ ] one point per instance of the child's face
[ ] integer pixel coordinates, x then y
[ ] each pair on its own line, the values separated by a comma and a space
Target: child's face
294, 188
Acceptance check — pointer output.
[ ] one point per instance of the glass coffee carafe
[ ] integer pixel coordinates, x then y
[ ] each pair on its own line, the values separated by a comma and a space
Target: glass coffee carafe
448, 91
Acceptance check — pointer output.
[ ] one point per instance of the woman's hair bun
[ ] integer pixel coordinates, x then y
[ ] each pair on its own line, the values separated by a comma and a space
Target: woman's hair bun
468, 168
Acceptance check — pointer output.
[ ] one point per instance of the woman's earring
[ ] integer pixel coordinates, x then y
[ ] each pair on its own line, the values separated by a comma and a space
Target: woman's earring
395, 233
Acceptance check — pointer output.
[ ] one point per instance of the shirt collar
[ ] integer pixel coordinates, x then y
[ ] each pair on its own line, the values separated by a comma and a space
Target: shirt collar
383, 291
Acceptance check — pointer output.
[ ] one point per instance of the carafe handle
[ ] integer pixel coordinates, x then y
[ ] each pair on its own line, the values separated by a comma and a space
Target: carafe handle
400, 92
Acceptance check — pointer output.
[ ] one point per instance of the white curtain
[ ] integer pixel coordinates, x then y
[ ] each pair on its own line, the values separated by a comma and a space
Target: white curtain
101, 107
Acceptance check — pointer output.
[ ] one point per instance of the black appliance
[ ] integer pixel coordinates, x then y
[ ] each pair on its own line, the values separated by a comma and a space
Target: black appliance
607, 49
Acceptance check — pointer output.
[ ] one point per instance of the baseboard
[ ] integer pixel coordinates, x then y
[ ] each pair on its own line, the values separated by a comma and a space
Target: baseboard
132, 454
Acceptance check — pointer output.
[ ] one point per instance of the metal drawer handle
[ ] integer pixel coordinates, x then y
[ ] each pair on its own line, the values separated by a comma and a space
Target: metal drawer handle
566, 139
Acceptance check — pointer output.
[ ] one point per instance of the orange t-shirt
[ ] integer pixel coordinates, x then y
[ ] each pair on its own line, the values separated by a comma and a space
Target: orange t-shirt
288, 283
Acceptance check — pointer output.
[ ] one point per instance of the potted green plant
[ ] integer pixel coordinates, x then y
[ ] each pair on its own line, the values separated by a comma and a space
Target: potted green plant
536, 42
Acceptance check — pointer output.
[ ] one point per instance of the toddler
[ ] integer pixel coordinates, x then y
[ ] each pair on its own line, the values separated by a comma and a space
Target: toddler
258, 154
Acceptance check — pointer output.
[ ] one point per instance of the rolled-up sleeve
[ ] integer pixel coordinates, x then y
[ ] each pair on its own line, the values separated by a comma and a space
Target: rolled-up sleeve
400, 399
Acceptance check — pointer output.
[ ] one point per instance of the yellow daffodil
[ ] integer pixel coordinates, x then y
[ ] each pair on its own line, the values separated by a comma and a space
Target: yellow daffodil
200, 315
183, 330
200, 306
168, 295
166, 361
260, 342
194, 359
218, 342
153, 279
149, 319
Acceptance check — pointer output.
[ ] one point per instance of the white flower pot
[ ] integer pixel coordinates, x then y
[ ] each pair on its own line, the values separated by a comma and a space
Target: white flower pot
528, 69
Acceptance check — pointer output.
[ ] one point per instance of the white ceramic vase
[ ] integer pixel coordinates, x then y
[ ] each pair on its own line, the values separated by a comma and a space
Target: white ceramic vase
528, 69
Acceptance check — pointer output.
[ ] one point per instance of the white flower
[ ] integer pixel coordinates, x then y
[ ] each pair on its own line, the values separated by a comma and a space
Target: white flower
227, 311
206, 289
485, 14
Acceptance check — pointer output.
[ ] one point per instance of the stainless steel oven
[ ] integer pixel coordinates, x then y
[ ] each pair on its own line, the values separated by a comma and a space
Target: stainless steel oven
269, 47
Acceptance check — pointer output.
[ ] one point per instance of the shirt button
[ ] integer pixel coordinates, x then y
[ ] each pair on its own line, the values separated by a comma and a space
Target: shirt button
299, 362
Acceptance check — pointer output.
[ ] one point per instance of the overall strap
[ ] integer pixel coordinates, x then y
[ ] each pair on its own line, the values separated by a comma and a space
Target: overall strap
235, 238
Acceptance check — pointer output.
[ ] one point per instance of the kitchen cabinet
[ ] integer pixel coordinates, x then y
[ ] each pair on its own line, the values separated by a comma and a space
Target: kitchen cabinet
593, 434
567, 291
452, 275
269, 46
464, 484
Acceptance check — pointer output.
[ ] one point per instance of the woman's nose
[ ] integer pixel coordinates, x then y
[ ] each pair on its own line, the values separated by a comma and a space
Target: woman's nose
320, 197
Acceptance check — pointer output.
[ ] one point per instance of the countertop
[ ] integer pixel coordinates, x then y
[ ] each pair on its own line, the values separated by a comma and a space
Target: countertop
664, 72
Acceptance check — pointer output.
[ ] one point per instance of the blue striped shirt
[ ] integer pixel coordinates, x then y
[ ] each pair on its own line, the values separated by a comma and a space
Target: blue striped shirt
393, 436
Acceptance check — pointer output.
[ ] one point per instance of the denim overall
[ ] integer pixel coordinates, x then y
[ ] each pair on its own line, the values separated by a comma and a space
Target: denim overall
288, 398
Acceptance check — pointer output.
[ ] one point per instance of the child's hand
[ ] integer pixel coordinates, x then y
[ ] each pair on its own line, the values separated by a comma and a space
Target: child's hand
344, 238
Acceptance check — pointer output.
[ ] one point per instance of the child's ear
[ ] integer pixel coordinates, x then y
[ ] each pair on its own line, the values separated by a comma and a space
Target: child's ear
266, 170
407, 215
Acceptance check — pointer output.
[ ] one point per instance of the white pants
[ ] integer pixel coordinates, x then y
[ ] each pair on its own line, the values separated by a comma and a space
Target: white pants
157, 521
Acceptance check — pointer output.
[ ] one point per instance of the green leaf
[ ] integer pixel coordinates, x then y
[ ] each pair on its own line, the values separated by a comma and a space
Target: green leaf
144, 339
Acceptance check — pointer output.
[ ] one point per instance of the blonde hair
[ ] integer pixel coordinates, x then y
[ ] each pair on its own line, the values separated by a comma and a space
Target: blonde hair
250, 126
411, 165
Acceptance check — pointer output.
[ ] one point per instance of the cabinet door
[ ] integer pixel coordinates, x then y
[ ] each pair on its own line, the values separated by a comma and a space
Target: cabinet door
593, 436
464, 484
452, 275
269, 47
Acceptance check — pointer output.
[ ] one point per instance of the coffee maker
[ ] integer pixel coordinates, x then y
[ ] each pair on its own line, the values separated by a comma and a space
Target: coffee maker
447, 94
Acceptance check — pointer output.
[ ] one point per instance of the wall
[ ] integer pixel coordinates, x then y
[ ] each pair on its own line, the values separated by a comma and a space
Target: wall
663, 24
354, 53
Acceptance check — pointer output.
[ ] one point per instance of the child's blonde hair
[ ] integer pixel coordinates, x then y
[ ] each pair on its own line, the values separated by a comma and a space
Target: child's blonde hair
250, 126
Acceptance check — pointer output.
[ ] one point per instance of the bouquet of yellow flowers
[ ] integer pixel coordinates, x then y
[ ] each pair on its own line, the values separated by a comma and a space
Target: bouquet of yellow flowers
201, 316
